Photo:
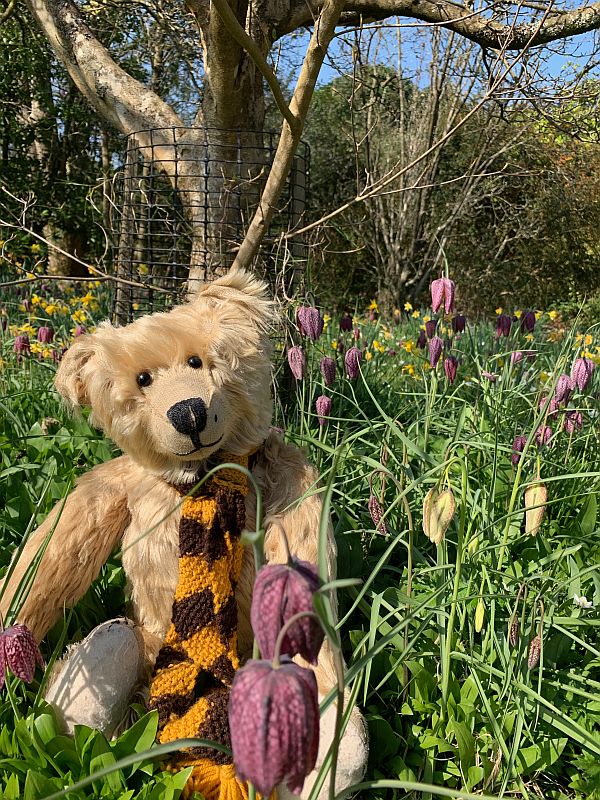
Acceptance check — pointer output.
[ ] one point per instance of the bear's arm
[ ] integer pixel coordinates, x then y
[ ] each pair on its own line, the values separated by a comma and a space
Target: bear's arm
91, 524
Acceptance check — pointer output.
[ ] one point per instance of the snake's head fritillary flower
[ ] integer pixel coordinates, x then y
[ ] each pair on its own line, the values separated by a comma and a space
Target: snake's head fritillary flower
430, 327
422, 340
19, 652
573, 421
564, 389
327, 367
376, 512
436, 346
356, 334
45, 334
516, 356
281, 591
346, 323
352, 361
492, 377
79, 330
27, 305
527, 322
274, 722
21, 345
518, 446
582, 372
442, 291
310, 322
450, 368
543, 435
459, 323
297, 362
535, 648
503, 325
323, 406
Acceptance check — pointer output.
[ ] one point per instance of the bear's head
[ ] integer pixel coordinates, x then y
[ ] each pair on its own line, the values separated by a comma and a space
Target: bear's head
174, 387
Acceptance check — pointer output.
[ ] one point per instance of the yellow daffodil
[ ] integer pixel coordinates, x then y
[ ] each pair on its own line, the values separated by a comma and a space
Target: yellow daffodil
35, 299
426, 318
368, 355
529, 337
50, 309
334, 344
36, 248
409, 369
518, 313
499, 310
78, 316
408, 345
553, 315
135, 306
373, 306
415, 315
378, 346
408, 307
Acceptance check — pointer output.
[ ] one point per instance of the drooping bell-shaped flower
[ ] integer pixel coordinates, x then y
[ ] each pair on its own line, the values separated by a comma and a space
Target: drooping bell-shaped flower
518, 446
27, 305
346, 323
323, 406
352, 361
310, 322
459, 323
79, 330
582, 372
450, 368
535, 648
297, 362
45, 334
274, 723
528, 321
21, 346
430, 327
564, 389
356, 334
327, 367
503, 325
543, 435
281, 591
422, 340
442, 290
19, 652
436, 346
376, 512
573, 421
516, 356
492, 377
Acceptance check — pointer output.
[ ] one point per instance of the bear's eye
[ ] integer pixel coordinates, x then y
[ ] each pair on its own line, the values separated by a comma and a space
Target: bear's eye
144, 379
195, 362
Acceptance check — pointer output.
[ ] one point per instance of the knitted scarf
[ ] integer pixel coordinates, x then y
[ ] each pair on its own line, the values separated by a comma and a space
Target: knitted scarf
196, 664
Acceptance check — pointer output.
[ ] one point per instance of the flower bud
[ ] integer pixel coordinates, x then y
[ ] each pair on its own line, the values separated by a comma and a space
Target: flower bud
503, 325
582, 372
536, 497
45, 334
281, 591
442, 289
79, 330
422, 340
490, 376
430, 327
19, 652
479, 615
297, 362
438, 510
376, 513
459, 323
323, 406
564, 388
310, 322
352, 361
436, 346
356, 334
518, 446
274, 722
450, 368
513, 632
27, 305
327, 367
516, 356
535, 648
527, 322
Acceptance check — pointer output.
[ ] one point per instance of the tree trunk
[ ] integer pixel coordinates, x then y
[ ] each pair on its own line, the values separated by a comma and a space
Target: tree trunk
72, 244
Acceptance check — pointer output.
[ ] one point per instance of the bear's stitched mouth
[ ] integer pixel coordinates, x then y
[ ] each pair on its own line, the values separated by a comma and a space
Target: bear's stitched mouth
202, 447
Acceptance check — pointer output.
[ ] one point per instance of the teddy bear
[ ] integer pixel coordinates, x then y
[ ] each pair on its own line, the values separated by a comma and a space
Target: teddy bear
179, 392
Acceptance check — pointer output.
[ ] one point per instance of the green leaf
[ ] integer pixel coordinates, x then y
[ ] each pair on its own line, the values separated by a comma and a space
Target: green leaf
588, 515
38, 786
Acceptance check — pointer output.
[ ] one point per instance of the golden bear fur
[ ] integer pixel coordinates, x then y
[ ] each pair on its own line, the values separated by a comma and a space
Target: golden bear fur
128, 502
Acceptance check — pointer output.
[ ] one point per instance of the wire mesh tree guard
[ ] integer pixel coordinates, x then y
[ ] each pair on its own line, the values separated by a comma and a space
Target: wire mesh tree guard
182, 203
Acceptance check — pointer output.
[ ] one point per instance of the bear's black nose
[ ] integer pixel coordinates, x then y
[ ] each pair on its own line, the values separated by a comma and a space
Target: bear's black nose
188, 417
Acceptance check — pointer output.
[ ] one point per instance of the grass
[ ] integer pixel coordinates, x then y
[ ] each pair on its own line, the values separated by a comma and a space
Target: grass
450, 702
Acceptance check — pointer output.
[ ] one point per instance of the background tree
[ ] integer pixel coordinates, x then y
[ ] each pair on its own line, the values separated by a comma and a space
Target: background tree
236, 39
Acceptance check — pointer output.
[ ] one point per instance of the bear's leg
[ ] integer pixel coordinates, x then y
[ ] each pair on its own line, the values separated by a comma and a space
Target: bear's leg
95, 681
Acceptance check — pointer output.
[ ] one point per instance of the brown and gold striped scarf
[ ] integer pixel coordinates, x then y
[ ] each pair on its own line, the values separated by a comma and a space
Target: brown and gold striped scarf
196, 664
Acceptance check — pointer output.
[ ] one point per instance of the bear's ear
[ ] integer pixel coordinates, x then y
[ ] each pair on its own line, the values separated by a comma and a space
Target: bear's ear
73, 372
249, 292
